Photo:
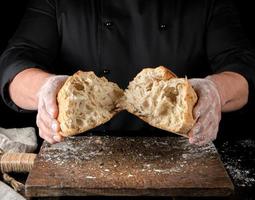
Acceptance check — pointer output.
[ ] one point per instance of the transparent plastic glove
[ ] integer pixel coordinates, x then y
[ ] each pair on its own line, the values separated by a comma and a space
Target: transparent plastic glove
207, 112
48, 109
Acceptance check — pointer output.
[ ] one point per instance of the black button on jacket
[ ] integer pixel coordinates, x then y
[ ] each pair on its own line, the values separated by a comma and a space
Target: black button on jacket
117, 39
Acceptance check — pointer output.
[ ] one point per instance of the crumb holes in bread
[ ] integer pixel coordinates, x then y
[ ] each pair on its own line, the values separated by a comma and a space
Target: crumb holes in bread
149, 86
145, 104
78, 86
79, 122
171, 93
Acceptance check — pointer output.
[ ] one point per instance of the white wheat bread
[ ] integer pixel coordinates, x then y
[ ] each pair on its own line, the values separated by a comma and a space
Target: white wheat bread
161, 99
86, 101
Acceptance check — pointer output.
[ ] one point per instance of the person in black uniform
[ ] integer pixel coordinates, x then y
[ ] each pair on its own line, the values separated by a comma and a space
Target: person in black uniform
201, 39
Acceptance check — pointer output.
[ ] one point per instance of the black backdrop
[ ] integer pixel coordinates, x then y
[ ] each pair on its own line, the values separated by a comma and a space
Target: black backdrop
236, 124
11, 12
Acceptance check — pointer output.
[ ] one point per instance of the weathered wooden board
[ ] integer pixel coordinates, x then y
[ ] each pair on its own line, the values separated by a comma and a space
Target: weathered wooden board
131, 166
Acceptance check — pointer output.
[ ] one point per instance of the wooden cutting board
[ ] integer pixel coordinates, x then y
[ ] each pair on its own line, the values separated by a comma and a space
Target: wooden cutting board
131, 166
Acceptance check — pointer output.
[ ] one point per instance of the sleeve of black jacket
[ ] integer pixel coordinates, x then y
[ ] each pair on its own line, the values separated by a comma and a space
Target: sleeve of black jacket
34, 44
227, 47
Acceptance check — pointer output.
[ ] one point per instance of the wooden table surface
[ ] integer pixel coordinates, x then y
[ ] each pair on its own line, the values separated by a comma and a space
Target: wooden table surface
130, 166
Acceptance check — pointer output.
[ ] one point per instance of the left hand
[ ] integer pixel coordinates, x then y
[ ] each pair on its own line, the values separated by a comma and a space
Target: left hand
207, 112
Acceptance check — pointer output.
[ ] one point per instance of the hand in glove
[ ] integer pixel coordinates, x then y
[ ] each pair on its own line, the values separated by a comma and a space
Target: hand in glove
207, 112
48, 109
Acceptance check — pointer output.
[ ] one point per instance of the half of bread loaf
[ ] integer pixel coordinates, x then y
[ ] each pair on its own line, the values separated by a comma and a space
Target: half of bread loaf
161, 99
86, 101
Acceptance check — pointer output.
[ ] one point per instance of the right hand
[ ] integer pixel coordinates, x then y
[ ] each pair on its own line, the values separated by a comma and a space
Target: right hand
46, 119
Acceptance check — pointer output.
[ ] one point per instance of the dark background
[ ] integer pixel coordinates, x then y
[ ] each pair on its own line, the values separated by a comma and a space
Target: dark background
237, 124
234, 126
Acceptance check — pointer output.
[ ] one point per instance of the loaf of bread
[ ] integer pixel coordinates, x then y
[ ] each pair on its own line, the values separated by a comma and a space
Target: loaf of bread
155, 95
86, 101
161, 99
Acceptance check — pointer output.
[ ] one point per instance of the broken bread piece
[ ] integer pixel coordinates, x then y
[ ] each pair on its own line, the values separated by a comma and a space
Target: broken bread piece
161, 99
86, 101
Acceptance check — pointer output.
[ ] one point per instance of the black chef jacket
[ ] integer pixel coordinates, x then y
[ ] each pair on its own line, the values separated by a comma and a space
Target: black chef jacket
118, 38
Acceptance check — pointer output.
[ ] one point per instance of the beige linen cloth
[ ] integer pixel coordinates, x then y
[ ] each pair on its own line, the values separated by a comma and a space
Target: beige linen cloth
21, 140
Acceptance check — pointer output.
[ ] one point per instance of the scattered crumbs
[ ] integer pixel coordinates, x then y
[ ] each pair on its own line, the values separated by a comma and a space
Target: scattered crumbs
98, 141
184, 156
241, 176
168, 171
118, 155
163, 143
90, 177
70, 151
147, 165
159, 170
193, 151
247, 143
239, 160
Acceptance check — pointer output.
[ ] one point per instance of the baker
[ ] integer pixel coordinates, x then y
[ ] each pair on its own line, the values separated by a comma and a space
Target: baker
202, 40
